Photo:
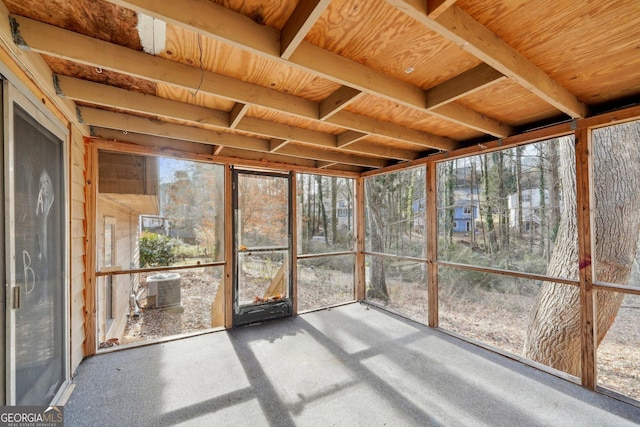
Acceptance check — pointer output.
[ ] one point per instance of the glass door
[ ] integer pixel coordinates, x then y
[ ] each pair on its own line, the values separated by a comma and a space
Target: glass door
262, 246
36, 255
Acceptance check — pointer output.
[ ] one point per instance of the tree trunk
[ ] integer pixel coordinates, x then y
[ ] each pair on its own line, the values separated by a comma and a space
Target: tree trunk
554, 194
553, 336
503, 207
451, 203
519, 225
488, 211
376, 229
322, 212
542, 210
472, 191
334, 210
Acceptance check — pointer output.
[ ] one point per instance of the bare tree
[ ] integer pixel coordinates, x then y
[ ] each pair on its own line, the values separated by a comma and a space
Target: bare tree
553, 335
374, 189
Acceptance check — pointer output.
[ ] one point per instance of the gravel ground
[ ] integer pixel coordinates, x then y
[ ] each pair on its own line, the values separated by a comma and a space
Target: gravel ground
317, 289
198, 291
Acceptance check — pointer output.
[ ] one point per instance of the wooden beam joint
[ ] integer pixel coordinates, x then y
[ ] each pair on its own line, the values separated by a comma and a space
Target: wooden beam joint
237, 113
335, 102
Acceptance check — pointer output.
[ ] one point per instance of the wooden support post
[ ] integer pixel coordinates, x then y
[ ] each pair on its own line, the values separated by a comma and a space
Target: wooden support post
294, 241
228, 247
584, 167
91, 190
360, 258
431, 221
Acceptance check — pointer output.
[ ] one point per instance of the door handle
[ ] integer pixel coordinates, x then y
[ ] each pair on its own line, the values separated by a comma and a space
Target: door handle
16, 297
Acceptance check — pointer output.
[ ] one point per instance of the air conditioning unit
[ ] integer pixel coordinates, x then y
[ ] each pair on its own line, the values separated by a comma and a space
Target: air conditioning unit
164, 290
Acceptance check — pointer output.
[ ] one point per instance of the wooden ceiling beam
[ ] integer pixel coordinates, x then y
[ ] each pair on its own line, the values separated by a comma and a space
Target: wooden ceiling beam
357, 123
291, 133
113, 97
64, 44
179, 148
349, 137
339, 99
436, 7
237, 113
240, 31
456, 25
299, 23
143, 125
367, 148
277, 134
276, 159
161, 144
275, 144
324, 165
463, 84
463, 116
332, 156
127, 122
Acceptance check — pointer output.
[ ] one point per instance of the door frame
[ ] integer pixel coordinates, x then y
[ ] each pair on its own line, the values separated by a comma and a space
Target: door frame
243, 315
14, 94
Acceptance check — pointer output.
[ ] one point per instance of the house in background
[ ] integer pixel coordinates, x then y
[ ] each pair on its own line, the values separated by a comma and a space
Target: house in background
127, 190
155, 224
465, 215
531, 204
466, 209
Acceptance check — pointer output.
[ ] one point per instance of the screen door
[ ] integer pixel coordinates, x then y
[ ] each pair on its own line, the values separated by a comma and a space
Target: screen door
262, 246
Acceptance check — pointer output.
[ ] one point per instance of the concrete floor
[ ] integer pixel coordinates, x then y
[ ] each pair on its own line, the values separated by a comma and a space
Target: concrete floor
348, 366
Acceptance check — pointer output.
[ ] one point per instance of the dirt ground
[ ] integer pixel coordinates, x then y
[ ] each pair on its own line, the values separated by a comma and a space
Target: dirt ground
198, 291
498, 320
317, 289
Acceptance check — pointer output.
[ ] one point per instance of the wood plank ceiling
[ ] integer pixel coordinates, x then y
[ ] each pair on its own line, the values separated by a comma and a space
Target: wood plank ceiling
349, 85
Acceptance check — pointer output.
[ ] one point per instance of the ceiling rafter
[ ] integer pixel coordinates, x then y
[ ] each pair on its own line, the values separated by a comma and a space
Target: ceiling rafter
332, 156
358, 123
349, 137
437, 7
142, 125
456, 25
287, 132
57, 42
177, 148
299, 23
325, 165
339, 99
463, 116
381, 151
240, 31
113, 97
280, 134
275, 144
127, 122
237, 113
463, 84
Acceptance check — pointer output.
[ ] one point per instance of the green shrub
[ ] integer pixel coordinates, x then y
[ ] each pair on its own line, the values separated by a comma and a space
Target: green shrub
156, 250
